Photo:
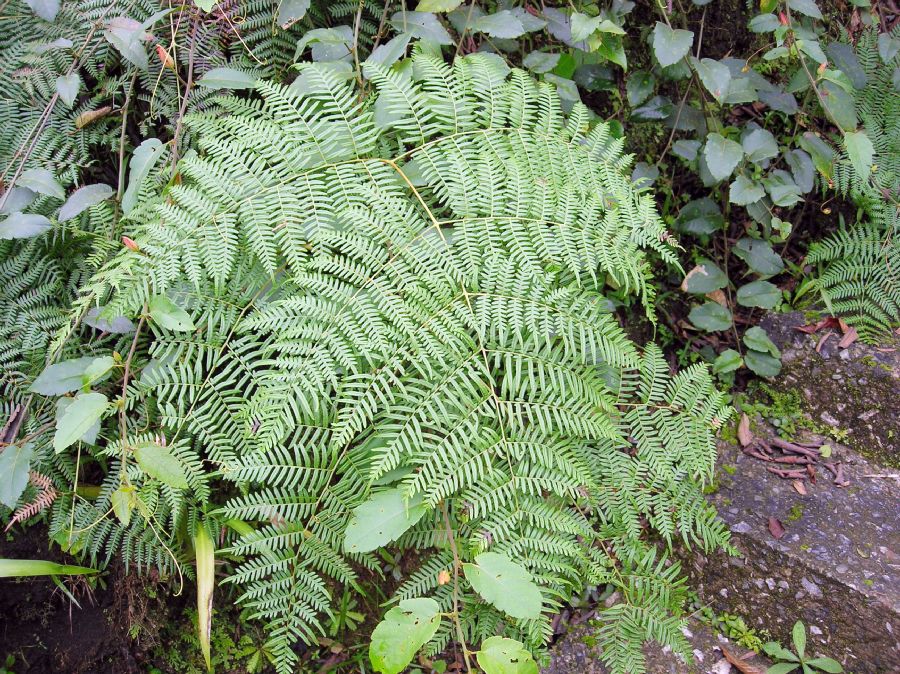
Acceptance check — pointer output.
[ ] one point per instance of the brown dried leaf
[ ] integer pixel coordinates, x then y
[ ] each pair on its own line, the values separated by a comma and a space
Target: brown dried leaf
822, 341
740, 664
90, 116
718, 296
799, 487
744, 434
849, 337
776, 528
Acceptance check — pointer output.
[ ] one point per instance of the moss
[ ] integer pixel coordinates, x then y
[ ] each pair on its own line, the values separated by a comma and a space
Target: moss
795, 513
731, 470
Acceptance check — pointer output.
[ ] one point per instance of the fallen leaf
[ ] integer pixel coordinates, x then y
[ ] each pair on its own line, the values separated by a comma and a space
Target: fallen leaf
776, 528
90, 116
740, 664
849, 337
822, 341
745, 435
718, 296
799, 487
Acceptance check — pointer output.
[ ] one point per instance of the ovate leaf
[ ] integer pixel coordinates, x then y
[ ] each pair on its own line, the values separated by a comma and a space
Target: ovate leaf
756, 338
82, 199
404, 630
46, 9
127, 36
759, 294
382, 519
500, 655
437, 5
67, 86
671, 45
762, 363
715, 77
157, 461
79, 416
291, 11
807, 7
711, 317
744, 191
861, 152
826, 665
24, 226
15, 462
760, 145
63, 377
122, 501
704, 278
142, 161
227, 78
42, 181
505, 584
728, 361
166, 314
759, 256
639, 87
503, 24
722, 155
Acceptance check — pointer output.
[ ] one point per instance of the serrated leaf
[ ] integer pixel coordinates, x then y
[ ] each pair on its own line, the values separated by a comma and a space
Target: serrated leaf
382, 519
166, 314
79, 416
503, 24
227, 78
505, 584
704, 278
142, 161
728, 361
639, 87
15, 462
759, 256
760, 145
42, 181
291, 11
501, 655
405, 629
84, 198
711, 317
583, 26
671, 45
722, 155
24, 226
756, 338
760, 294
46, 9
61, 378
861, 152
67, 86
744, 191
716, 77
158, 462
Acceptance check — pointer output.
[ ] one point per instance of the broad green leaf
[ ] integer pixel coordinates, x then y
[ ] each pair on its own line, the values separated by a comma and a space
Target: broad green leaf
46, 9
826, 665
639, 87
405, 629
23, 568
888, 47
711, 317
24, 226
423, 25
79, 416
15, 462
389, 53
704, 278
205, 557
227, 78
821, 152
291, 11
782, 188
505, 584
612, 49
686, 149
802, 169
42, 181
540, 62
722, 155
807, 7
715, 76
861, 152
583, 26
157, 461
97, 369
744, 191
839, 105
798, 635
760, 145
777, 651
762, 364
756, 338
437, 5
122, 501
63, 377
18, 199
782, 668
206, 5
90, 435
658, 107
700, 216
764, 23
166, 314
671, 45
84, 198
503, 24
500, 655
382, 519
142, 161
844, 59
67, 86
759, 256
128, 36
728, 361
327, 44
759, 294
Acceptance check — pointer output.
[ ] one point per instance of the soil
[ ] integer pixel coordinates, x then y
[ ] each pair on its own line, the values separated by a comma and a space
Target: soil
46, 633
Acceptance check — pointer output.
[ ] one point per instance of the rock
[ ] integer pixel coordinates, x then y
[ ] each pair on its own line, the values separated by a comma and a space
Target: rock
855, 390
836, 568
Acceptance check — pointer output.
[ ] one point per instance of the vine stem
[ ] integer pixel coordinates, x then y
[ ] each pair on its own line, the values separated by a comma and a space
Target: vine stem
461, 637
